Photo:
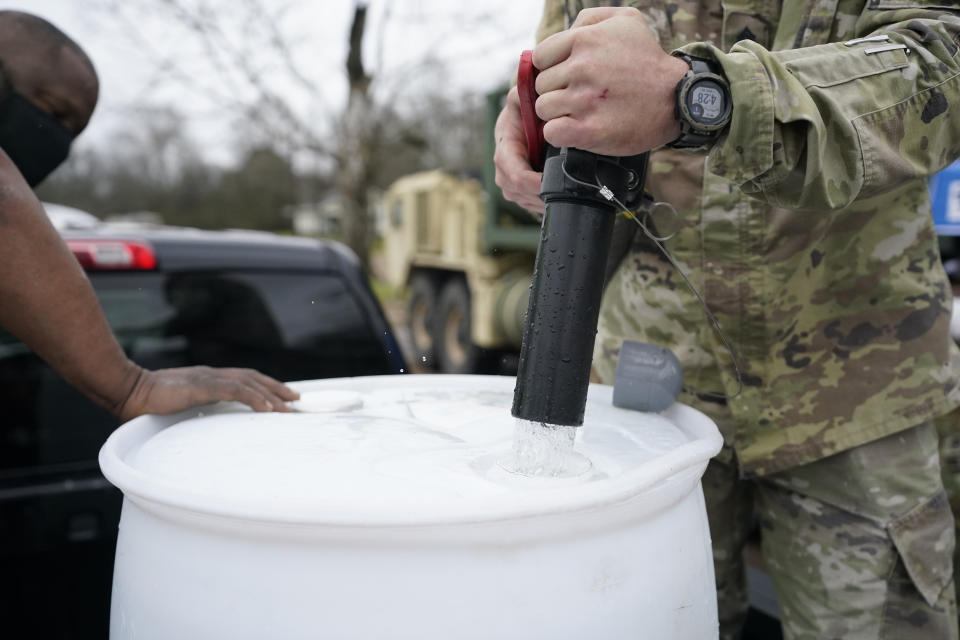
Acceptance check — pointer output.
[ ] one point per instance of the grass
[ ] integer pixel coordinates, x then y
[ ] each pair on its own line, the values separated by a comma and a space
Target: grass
387, 293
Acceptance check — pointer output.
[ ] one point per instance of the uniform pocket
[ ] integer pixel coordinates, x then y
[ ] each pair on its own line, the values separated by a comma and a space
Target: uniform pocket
924, 540
889, 157
831, 65
911, 4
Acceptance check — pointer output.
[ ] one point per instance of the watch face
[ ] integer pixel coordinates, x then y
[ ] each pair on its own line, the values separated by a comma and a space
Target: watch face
705, 101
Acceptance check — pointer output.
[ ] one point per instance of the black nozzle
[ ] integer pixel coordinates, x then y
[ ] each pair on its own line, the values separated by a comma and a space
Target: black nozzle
557, 349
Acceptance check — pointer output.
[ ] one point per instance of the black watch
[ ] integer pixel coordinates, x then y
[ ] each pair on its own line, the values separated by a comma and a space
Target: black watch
703, 104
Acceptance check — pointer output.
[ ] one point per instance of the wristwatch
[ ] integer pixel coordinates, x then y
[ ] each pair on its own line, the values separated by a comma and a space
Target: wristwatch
703, 104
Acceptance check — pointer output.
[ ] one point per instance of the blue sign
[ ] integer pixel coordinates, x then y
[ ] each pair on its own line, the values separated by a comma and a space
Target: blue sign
945, 200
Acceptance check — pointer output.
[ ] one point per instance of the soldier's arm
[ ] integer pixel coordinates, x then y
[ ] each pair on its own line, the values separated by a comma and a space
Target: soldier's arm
818, 127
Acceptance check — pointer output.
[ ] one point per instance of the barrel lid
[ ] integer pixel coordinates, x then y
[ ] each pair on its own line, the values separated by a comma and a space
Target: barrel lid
393, 450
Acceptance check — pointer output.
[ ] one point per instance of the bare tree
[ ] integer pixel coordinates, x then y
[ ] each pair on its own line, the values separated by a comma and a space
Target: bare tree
359, 134
257, 78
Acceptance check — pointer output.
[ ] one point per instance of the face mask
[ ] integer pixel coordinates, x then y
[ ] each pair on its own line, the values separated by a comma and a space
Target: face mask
36, 142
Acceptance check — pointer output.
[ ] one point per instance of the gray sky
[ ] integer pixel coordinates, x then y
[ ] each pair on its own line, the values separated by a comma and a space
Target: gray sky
478, 42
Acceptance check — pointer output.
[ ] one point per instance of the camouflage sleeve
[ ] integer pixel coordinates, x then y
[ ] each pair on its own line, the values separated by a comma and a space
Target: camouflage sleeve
820, 126
552, 21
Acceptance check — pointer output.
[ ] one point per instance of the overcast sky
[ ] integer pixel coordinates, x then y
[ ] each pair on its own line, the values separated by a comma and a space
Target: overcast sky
479, 43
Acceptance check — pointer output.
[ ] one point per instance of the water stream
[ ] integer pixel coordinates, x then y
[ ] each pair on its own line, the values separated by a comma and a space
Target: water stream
545, 450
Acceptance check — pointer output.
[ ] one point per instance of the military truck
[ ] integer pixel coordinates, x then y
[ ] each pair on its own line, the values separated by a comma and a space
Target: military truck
467, 256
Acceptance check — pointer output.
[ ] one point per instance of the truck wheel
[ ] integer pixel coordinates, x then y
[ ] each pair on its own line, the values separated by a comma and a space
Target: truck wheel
455, 351
421, 310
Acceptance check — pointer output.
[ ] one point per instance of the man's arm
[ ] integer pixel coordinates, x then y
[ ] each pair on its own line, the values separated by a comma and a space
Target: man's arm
48, 303
815, 127
818, 127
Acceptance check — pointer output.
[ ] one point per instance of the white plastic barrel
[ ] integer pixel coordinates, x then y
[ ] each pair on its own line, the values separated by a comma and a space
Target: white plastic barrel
382, 511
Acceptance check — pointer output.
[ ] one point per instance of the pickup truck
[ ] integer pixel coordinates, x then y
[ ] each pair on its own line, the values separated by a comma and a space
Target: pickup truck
290, 307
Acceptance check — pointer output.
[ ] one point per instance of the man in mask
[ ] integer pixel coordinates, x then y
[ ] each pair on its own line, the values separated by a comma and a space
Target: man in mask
48, 90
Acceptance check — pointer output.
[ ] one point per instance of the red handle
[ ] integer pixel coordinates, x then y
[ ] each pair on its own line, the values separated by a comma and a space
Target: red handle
532, 125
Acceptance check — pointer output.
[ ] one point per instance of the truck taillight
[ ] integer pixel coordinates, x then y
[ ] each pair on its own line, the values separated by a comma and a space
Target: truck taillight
102, 255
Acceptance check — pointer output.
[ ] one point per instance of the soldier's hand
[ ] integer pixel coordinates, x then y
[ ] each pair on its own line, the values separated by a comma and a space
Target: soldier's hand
518, 181
171, 390
606, 86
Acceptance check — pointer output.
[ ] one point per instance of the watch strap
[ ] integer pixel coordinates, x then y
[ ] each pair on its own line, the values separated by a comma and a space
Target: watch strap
691, 137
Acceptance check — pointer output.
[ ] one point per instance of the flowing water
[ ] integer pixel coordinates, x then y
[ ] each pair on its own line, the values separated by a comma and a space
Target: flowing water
545, 450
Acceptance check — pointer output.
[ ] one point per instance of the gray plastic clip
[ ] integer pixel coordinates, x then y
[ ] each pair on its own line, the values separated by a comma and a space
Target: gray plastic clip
649, 377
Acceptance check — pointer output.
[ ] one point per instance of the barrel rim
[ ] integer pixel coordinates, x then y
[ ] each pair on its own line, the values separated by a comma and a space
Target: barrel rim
705, 441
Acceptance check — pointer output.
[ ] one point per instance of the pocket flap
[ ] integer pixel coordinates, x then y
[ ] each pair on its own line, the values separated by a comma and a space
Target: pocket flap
924, 539
911, 4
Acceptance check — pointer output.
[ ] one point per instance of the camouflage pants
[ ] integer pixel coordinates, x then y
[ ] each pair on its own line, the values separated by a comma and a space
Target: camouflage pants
948, 428
859, 545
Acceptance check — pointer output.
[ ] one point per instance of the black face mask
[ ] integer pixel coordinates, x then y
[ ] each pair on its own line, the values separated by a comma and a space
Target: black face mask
36, 142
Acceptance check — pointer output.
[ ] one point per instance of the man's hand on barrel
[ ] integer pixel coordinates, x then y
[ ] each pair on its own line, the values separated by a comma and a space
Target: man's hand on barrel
606, 86
172, 390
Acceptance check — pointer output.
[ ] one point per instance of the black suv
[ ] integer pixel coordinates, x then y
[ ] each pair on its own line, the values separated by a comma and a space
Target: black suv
292, 308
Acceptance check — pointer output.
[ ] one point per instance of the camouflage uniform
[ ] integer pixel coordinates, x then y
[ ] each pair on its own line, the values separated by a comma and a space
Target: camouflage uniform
828, 284
948, 429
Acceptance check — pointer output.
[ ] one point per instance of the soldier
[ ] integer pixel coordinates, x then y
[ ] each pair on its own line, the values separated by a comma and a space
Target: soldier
802, 135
